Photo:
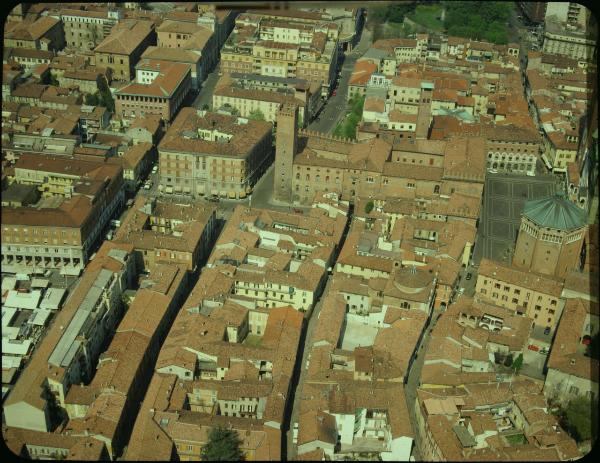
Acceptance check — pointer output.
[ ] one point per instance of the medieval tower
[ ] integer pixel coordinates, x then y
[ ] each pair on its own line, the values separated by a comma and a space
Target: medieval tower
285, 150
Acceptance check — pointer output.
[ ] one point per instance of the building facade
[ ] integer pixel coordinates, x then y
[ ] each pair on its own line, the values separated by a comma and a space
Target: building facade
204, 154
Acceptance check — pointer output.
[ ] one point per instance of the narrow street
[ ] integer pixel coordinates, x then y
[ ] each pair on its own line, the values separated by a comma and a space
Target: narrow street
335, 108
412, 383
204, 97
305, 349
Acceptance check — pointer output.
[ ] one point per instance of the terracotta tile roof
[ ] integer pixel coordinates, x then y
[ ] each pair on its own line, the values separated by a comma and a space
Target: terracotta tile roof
541, 283
565, 354
362, 72
245, 136
125, 37
30, 30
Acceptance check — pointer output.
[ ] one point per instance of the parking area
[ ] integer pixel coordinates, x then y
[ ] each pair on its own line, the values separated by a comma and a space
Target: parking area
503, 199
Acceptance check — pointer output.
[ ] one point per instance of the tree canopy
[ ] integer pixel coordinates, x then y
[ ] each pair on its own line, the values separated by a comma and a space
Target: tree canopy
517, 364
478, 20
347, 128
223, 445
581, 416
369, 207
256, 115
393, 13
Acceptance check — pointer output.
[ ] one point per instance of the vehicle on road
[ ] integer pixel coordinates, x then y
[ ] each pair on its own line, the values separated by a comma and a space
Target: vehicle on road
214, 199
298, 211
469, 276
129, 202
147, 185
334, 93
155, 169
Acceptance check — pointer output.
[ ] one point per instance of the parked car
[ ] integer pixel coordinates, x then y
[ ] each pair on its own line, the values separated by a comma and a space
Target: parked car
155, 169
214, 199
468, 276
147, 186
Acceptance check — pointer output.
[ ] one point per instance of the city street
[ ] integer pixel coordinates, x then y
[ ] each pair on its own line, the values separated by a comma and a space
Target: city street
412, 383
304, 351
204, 97
335, 108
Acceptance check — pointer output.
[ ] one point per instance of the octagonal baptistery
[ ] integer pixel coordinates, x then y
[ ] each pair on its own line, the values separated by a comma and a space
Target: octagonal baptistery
551, 236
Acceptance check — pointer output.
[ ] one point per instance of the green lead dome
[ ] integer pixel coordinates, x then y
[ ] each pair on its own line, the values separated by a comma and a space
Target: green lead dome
555, 212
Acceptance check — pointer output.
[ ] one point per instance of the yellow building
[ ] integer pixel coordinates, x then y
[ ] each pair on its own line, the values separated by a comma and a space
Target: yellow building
526, 293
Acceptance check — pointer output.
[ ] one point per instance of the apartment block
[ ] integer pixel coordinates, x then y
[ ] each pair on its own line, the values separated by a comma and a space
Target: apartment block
471, 421
524, 292
194, 37
162, 231
85, 29
125, 368
76, 199
159, 88
251, 93
576, 44
123, 47
571, 373
234, 375
45, 33
69, 350
204, 154
283, 47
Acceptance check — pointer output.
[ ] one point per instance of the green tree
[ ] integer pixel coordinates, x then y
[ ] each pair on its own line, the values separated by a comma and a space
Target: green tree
399, 10
223, 445
105, 97
92, 99
205, 107
581, 416
257, 115
369, 207
518, 363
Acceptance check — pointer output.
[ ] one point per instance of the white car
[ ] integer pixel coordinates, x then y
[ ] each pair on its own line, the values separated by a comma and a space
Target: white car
155, 169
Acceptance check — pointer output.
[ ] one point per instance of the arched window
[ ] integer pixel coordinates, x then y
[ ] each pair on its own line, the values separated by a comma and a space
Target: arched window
436, 189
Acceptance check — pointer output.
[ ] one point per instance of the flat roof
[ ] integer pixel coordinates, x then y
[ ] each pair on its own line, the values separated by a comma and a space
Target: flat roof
23, 300
67, 346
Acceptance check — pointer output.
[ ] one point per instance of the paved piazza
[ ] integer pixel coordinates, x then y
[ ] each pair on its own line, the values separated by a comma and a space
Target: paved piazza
503, 198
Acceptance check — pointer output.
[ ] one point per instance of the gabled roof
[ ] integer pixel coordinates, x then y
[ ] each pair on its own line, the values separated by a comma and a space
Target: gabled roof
555, 212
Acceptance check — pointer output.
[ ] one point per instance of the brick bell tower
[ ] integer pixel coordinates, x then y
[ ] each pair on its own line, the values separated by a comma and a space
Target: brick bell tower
286, 146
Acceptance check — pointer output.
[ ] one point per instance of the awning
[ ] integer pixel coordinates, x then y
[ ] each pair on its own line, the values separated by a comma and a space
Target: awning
231, 194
